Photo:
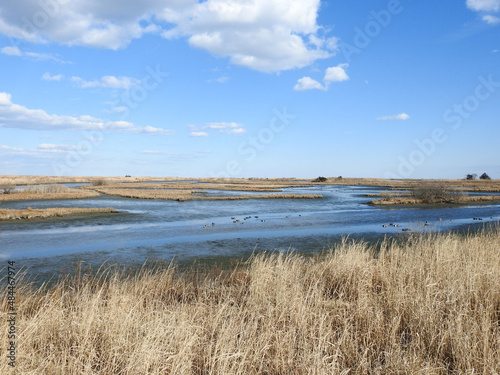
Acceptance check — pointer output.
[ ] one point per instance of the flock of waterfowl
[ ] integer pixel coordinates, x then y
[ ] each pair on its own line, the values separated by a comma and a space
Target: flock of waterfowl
242, 221
426, 224
396, 225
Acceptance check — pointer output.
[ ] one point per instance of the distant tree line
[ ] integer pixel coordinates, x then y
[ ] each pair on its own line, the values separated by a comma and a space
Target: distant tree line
473, 176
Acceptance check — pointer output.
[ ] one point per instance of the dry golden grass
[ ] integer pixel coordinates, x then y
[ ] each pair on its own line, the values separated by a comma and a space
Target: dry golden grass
257, 181
186, 195
466, 185
11, 214
457, 200
202, 185
388, 194
429, 305
36, 180
35, 194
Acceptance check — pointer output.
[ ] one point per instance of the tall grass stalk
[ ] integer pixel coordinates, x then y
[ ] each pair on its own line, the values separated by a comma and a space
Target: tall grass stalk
427, 305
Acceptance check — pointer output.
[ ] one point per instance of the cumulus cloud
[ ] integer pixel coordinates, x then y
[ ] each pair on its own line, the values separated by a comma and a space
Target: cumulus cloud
225, 127
48, 77
402, 116
492, 20
264, 35
307, 83
11, 51
91, 23
107, 82
332, 74
17, 116
336, 73
484, 5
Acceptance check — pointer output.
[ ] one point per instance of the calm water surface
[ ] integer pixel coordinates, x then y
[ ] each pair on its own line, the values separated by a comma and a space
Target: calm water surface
157, 229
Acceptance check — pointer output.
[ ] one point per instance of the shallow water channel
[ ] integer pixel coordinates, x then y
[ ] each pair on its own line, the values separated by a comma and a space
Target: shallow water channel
160, 229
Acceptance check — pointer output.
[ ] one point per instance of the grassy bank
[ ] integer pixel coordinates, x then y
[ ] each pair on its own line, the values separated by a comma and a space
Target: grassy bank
187, 195
415, 201
51, 191
11, 214
242, 186
428, 305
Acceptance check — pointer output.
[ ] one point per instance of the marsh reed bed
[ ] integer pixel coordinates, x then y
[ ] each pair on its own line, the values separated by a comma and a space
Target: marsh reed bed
429, 304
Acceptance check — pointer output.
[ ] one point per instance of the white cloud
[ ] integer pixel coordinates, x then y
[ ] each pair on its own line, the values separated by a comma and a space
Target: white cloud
11, 51
15, 51
92, 23
61, 148
12, 149
336, 73
5, 98
307, 83
402, 116
16, 116
492, 20
152, 130
332, 74
107, 82
43, 150
484, 5
222, 127
226, 127
48, 77
264, 35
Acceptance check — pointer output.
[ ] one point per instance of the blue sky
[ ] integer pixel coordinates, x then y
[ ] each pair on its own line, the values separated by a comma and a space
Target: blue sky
250, 88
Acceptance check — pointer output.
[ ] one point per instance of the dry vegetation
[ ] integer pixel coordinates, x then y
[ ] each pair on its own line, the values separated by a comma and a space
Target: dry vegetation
428, 305
465, 185
36, 180
415, 201
433, 193
47, 192
29, 213
201, 185
186, 195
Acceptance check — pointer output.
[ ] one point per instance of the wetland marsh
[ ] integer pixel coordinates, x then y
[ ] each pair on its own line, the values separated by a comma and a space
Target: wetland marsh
211, 230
